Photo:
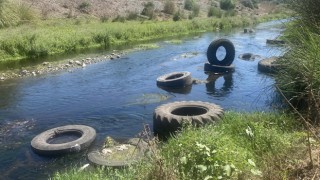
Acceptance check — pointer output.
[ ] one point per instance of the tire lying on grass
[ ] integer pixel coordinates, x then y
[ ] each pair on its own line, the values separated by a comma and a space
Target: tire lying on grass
168, 118
51, 142
269, 65
175, 80
218, 69
212, 52
98, 158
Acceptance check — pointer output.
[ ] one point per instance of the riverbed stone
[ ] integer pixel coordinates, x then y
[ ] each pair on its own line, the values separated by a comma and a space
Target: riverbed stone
78, 63
71, 62
2, 78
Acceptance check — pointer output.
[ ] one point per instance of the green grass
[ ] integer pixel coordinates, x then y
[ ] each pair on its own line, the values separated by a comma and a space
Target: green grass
242, 146
299, 78
50, 37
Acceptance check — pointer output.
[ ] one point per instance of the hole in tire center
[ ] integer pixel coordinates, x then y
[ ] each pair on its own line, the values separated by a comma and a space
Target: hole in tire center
64, 137
189, 111
221, 53
174, 76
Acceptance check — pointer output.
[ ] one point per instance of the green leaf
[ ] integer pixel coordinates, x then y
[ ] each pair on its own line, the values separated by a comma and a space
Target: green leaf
208, 177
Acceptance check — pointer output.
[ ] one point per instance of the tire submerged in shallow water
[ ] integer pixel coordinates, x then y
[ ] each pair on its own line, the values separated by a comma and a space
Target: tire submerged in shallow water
212, 52
168, 118
175, 80
44, 143
218, 69
269, 65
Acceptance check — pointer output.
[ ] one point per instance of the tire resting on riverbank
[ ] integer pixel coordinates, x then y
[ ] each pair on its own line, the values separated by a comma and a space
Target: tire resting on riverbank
175, 80
97, 158
168, 118
218, 69
269, 65
212, 52
41, 146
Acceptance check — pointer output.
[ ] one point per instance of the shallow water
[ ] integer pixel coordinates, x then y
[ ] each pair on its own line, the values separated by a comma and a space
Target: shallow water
112, 96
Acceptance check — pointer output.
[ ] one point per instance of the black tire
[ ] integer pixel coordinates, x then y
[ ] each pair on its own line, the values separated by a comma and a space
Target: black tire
269, 65
218, 69
212, 50
168, 118
247, 56
41, 143
175, 80
97, 158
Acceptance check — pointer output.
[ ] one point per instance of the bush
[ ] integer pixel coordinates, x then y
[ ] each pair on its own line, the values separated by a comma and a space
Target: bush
249, 3
84, 7
132, 16
148, 10
169, 7
196, 10
188, 4
227, 4
177, 16
214, 12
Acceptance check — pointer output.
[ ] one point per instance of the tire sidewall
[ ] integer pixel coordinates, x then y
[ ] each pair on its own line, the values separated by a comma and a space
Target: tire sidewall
40, 145
212, 50
179, 82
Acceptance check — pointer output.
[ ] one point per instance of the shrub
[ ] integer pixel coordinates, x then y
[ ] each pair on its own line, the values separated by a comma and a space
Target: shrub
177, 16
227, 4
188, 4
214, 12
196, 10
132, 16
148, 10
84, 7
249, 3
301, 86
169, 7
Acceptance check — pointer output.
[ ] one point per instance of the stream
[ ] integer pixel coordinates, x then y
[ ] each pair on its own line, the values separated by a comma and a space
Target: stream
117, 97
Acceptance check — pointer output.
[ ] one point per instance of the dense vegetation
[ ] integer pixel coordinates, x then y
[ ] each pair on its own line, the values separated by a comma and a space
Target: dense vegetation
299, 79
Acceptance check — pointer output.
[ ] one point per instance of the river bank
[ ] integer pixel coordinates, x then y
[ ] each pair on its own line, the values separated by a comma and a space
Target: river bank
68, 37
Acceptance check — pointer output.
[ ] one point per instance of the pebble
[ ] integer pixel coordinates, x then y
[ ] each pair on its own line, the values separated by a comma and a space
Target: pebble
2, 78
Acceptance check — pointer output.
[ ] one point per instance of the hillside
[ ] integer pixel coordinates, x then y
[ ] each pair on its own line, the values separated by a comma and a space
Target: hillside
111, 8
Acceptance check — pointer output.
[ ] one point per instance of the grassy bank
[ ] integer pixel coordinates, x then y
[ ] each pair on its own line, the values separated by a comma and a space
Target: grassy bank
45, 38
242, 146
